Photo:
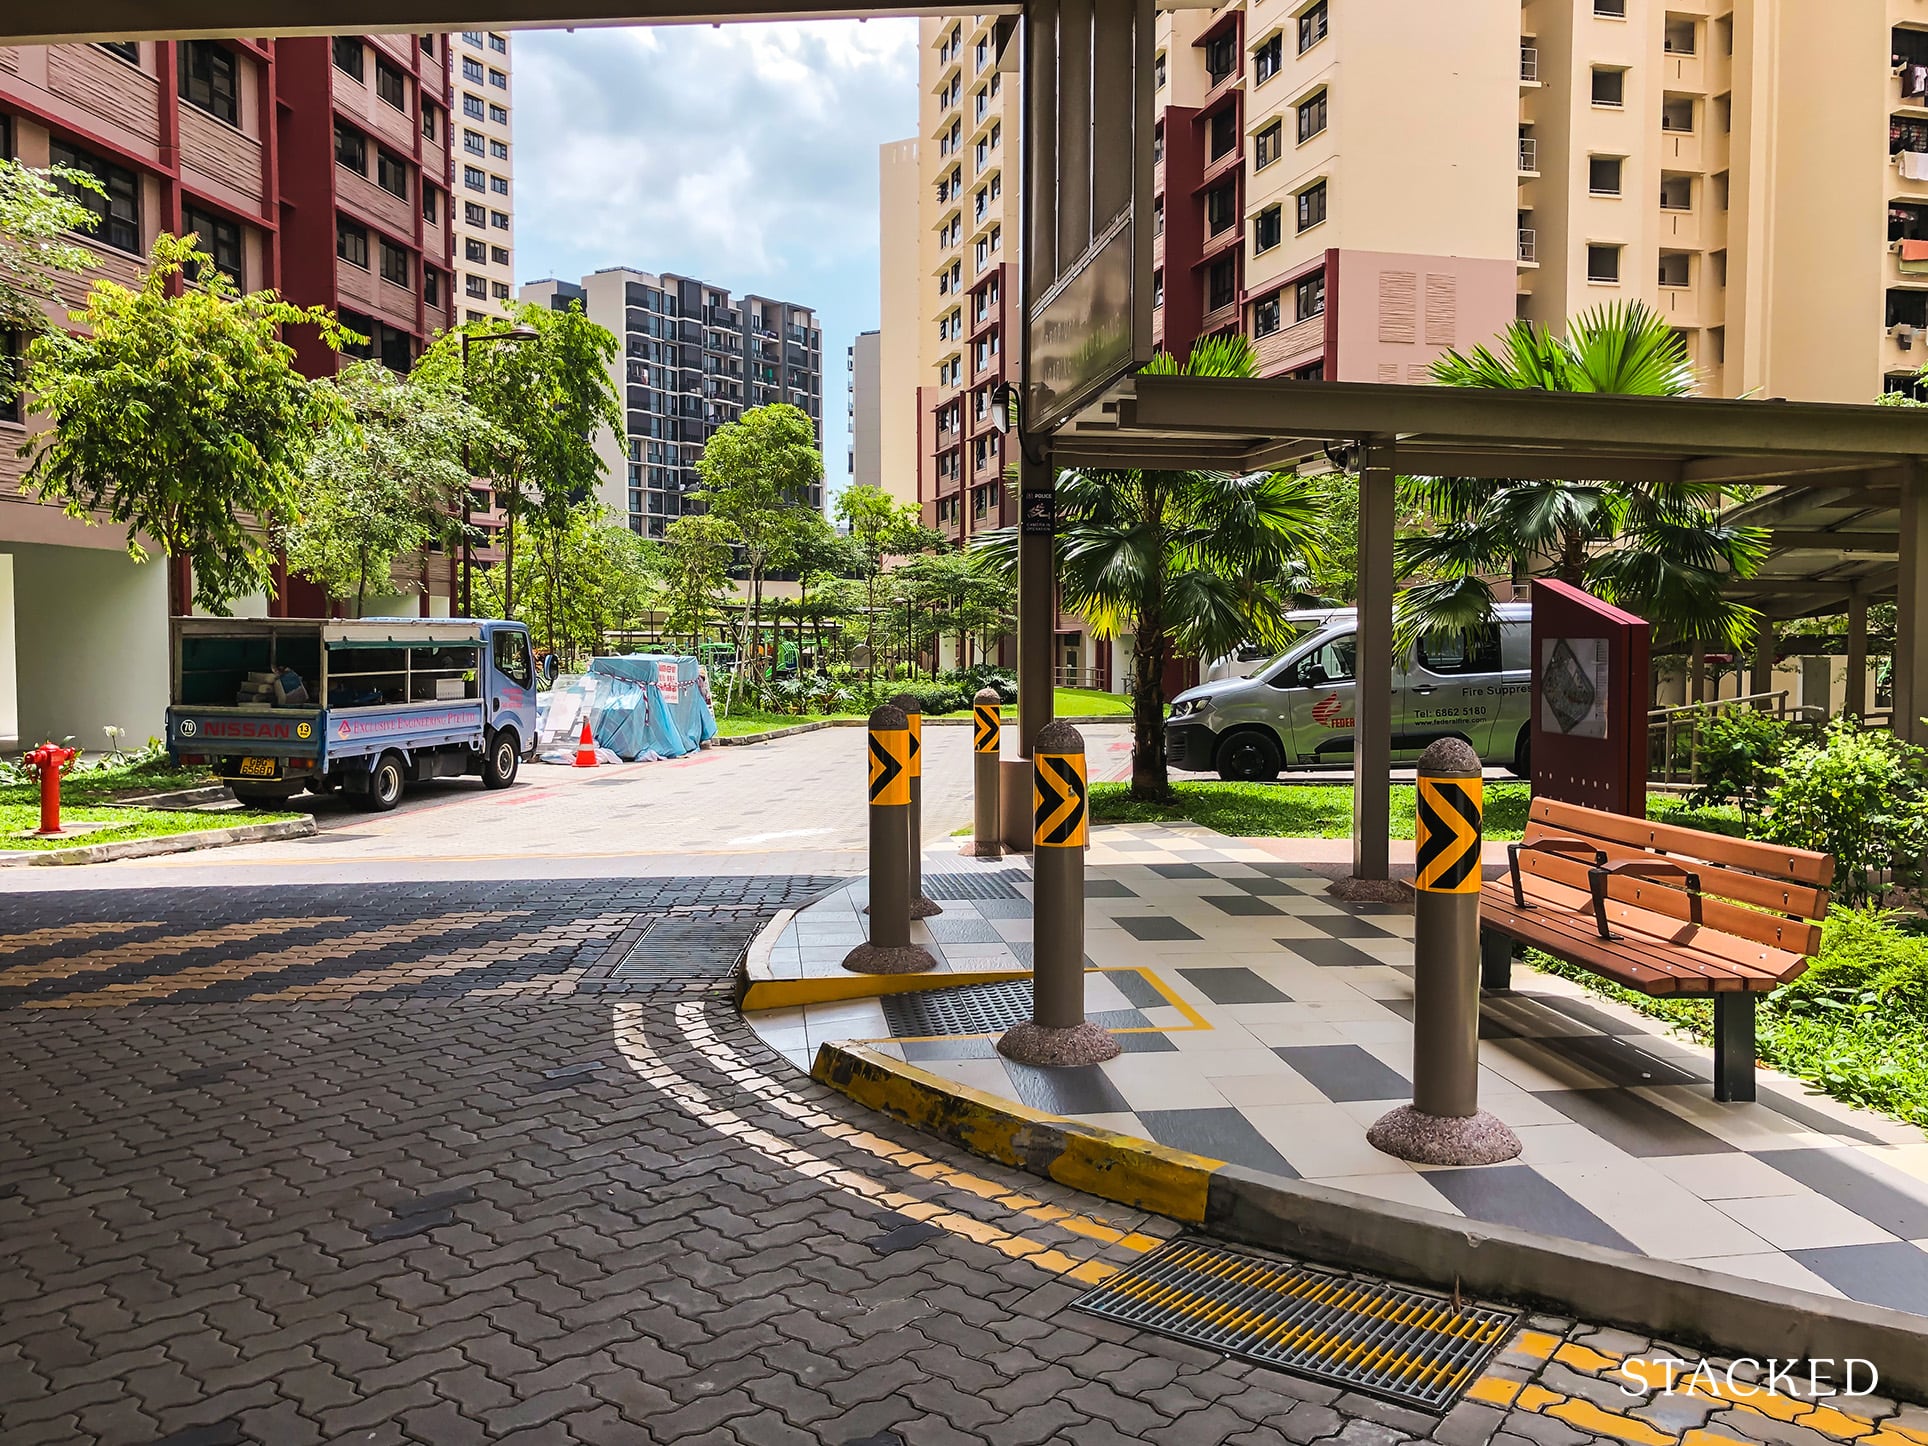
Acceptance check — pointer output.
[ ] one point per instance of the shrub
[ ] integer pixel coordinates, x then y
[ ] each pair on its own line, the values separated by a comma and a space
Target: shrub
1859, 794
973, 680
1739, 751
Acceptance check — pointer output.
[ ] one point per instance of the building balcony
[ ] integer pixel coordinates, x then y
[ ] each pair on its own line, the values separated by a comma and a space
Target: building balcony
1291, 347
1219, 318
1529, 246
1529, 156
1529, 65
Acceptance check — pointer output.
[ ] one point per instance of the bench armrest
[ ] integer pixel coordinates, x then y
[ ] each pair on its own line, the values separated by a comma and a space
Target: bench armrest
1548, 846
1653, 869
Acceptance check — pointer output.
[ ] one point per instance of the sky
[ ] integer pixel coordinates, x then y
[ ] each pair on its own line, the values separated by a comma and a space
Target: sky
742, 154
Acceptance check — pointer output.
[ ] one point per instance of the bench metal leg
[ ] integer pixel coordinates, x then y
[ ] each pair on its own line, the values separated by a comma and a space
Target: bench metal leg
1734, 1047
1495, 960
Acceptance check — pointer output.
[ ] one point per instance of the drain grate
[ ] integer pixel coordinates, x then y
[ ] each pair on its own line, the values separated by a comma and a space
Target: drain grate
956, 887
1407, 1346
965, 1009
688, 948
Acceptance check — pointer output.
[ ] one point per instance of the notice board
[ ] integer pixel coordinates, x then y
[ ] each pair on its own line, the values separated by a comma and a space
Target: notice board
1591, 691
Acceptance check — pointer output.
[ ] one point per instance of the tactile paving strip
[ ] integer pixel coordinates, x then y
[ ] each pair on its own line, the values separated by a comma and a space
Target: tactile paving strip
958, 887
966, 1009
1409, 1346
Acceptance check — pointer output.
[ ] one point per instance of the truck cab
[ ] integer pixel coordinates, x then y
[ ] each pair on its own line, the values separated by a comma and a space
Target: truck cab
279, 706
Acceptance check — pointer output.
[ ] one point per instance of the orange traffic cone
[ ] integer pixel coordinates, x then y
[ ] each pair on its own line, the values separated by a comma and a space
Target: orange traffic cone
586, 748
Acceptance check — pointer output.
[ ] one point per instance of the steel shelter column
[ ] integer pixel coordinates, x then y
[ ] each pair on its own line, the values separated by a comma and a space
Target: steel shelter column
1760, 677
1372, 707
1074, 128
1857, 700
1911, 595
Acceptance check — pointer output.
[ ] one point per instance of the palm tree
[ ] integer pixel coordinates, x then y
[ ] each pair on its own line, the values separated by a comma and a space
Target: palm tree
1189, 563
1659, 549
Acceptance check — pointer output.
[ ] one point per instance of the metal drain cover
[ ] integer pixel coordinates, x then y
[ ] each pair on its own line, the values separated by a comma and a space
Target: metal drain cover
964, 1009
1408, 1346
957, 887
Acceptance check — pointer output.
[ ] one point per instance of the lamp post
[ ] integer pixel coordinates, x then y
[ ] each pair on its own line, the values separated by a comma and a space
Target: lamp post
520, 332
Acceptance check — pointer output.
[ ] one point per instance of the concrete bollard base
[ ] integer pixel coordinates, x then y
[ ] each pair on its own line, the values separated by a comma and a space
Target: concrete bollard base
1407, 1134
922, 908
889, 959
1031, 1043
988, 849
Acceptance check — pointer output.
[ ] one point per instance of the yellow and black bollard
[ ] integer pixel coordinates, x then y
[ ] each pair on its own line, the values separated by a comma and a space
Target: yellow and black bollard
987, 745
1444, 1124
890, 950
920, 907
1058, 1033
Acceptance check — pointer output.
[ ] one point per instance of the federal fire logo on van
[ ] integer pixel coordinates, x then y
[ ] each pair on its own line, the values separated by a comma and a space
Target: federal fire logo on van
1325, 713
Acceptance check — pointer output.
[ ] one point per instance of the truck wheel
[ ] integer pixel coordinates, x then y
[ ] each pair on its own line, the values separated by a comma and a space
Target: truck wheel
384, 784
1249, 757
1522, 754
499, 768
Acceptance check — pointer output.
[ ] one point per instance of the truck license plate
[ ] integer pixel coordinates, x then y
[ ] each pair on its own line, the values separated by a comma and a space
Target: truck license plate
257, 768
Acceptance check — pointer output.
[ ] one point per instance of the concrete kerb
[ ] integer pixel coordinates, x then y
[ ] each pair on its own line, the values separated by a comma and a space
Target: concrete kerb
1721, 1314
172, 843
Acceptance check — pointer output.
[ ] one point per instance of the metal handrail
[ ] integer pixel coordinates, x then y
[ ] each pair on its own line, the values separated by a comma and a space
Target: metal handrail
1691, 716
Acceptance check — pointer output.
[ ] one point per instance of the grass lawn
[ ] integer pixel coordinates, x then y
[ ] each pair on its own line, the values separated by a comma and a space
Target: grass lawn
1265, 810
745, 721
91, 785
1090, 703
126, 823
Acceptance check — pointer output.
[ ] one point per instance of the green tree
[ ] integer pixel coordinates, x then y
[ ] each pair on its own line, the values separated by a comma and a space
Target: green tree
386, 485
947, 593
1659, 549
589, 577
39, 213
696, 574
757, 474
179, 414
881, 528
547, 398
1188, 562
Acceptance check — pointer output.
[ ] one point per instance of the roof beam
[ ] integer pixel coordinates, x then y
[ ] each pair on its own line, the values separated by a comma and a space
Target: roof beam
1810, 539
1426, 459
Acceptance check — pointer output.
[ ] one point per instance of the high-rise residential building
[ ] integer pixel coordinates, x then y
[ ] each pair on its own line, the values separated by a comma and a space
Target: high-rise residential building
485, 184
902, 346
314, 166
693, 358
863, 410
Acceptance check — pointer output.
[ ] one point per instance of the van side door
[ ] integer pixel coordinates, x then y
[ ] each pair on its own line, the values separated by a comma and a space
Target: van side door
1318, 692
1453, 689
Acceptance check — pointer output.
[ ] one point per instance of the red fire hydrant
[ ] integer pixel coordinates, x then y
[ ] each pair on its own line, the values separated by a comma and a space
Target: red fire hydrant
50, 761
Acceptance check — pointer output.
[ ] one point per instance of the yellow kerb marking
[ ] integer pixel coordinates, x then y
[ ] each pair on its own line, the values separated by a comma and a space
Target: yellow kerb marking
1583, 1359
1589, 1417
1538, 1398
1536, 1344
1495, 1390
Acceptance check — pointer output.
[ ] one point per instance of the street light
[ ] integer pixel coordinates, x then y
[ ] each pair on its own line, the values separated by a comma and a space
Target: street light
520, 332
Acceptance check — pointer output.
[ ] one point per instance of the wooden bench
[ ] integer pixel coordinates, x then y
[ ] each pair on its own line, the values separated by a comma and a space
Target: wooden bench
1665, 910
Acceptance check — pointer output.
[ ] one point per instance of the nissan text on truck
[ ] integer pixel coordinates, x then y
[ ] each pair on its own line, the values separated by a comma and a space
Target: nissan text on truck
281, 706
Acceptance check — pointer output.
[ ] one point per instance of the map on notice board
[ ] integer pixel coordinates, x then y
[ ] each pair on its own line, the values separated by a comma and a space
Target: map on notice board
1573, 686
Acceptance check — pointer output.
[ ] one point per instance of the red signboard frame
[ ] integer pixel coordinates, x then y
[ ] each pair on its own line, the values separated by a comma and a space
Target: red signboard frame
1592, 666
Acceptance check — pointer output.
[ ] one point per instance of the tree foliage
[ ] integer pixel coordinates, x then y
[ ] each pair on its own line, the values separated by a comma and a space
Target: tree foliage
582, 577
180, 415
387, 484
696, 574
40, 213
881, 528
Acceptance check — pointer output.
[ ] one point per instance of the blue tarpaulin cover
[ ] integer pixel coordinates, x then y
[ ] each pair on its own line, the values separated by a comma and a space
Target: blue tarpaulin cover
649, 703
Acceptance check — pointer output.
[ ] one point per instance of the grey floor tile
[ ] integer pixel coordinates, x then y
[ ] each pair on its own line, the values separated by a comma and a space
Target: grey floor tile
1009, 908
1137, 988
1888, 1199
1489, 1027
1152, 928
1634, 1124
1266, 887
1180, 871
1108, 889
1805, 1114
1581, 1012
1241, 905
1520, 1196
1329, 953
1149, 1042
1344, 1072
1083, 1090
1118, 1018
1892, 1275
962, 931
1222, 1134
916, 1051
1234, 985
1622, 1062
1285, 871
1345, 926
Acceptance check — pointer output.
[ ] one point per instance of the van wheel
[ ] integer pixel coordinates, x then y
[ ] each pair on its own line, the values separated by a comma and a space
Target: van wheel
1249, 757
1522, 754
499, 768
384, 784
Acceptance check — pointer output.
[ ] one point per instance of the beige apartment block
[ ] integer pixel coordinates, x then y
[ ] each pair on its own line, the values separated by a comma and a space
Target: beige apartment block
484, 178
902, 349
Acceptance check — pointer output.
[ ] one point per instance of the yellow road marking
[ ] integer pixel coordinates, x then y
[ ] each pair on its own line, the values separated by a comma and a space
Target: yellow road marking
441, 966
62, 933
146, 951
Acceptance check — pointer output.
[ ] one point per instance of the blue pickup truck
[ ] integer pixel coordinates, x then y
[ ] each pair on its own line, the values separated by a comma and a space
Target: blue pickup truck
280, 706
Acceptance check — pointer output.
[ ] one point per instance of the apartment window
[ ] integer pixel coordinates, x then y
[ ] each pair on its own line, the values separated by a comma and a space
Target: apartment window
351, 244
1265, 316
1267, 144
498, 219
1610, 9
1308, 297
499, 255
1268, 228
1312, 117
1681, 35
472, 107
1158, 72
220, 239
498, 151
13, 407
1312, 206
394, 264
1221, 209
1677, 114
498, 114
1676, 193
474, 143
472, 37
391, 174
1158, 216
431, 205
428, 44
1312, 27
1267, 58
477, 286
499, 290
1603, 263
351, 149
475, 178
499, 79
1157, 289
473, 250
1224, 133
473, 214
1609, 86
1221, 285
1724, 113
207, 79
1675, 269
127, 50
1157, 143
118, 212
428, 121
389, 84
472, 71
348, 55
1603, 175
499, 185
498, 43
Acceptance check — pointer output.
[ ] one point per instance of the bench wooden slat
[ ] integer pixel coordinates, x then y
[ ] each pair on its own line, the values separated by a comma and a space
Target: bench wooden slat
1772, 860
1668, 896
1777, 896
1648, 965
